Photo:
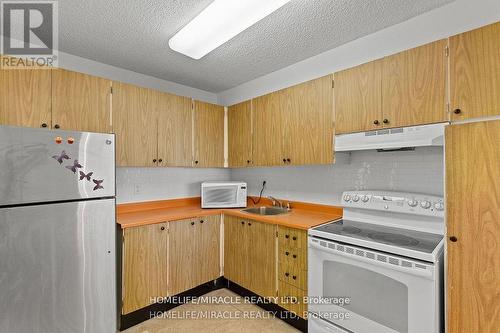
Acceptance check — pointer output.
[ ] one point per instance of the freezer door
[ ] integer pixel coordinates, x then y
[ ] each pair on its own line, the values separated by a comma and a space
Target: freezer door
57, 268
38, 165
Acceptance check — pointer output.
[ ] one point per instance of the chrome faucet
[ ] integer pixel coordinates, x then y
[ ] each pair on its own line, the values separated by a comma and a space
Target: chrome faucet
276, 202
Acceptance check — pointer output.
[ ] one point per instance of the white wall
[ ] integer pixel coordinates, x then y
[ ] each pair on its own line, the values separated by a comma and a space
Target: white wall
147, 184
451, 19
418, 171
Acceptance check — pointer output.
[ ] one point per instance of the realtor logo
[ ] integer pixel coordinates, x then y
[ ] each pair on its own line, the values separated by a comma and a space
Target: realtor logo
29, 34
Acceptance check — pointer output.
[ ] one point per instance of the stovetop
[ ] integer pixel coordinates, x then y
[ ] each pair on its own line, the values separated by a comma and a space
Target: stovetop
379, 234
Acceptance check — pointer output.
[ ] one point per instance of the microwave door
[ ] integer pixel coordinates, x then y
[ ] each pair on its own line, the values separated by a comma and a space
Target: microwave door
383, 299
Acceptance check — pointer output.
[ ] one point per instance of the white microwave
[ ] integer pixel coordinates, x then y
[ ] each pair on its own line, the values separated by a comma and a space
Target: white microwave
223, 195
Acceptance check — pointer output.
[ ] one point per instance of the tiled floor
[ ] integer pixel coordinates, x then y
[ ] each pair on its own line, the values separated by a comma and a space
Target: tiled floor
229, 314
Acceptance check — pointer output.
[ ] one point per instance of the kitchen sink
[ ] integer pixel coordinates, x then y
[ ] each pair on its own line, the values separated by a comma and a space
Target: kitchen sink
266, 210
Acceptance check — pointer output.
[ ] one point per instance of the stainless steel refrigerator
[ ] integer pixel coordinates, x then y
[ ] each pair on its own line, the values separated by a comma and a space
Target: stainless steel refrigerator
57, 231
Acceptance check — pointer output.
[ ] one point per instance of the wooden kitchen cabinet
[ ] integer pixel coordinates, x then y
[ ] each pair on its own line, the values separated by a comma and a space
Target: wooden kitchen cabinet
473, 226
250, 255
240, 134
25, 98
144, 270
475, 73
358, 98
268, 129
208, 135
194, 247
135, 122
414, 86
80, 102
309, 122
175, 130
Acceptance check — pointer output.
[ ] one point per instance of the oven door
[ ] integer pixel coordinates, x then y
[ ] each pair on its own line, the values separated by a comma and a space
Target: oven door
367, 291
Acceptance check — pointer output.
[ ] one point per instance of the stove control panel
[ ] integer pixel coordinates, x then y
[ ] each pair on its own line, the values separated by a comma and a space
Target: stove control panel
396, 202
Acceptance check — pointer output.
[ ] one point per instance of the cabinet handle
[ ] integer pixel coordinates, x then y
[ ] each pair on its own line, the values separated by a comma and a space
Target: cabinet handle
453, 239
242, 222
154, 160
249, 223
44, 125
287, 253
294, 238
192, 223
248, 161
195, 162
376, 122
287, 236
294, 277
162, 228
56, 126
160, 160
287, 274
457, 111
202, 221
386, 121
294, 256
288, 160
284, 160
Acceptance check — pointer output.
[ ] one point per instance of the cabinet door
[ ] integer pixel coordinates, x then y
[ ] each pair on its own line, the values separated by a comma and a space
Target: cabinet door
473, 217
183, 258
25, 97
80, 102
208, 244
144, 266
236, 250
414, 86
262, 258
358, 98
475, 73
175, 130
268, 129
308, 119
240, 134
208, 135
135, 124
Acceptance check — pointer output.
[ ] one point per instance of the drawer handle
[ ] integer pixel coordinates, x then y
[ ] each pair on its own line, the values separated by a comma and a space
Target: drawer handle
457, 111
287, 253
294, 277
192, 223
453, 239
287, 274
249, 223
202, 221
294, 238
242, 222
162, 228
385, 121
287, 236
294, 256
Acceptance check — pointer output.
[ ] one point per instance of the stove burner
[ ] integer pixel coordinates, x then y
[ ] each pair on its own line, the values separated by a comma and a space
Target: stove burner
350, 230
393, 239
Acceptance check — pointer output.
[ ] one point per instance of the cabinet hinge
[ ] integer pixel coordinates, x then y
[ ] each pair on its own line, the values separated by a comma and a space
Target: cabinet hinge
447, 51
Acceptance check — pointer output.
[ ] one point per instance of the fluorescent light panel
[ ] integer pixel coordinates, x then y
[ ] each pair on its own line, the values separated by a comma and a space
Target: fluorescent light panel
218, 23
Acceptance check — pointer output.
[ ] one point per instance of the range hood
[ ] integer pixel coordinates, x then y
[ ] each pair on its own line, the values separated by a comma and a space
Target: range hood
392, 138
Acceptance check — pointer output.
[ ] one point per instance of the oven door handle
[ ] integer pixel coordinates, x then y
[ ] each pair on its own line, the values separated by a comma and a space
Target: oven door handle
425, 273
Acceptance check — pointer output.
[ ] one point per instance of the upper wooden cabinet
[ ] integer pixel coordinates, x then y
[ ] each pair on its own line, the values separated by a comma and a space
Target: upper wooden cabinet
268, 131
80, 102
475, 73
308, 119
473, 226
135, 114
208, 135
25, 97
358, 98
414, 86
240, 134
175, 130
405, 89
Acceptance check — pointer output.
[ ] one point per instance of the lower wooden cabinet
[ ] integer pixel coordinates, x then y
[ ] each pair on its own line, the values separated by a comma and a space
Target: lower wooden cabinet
166, 259
292, 269
250, 255
144, 271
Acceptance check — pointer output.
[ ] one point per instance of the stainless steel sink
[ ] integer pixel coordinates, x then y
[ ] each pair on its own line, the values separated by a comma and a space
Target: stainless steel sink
266, 210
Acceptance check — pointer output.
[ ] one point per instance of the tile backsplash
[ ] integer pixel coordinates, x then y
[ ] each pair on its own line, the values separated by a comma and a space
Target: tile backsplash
147, 184
421, 171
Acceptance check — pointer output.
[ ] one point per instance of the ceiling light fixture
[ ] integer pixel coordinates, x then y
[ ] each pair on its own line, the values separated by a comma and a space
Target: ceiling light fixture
218, 23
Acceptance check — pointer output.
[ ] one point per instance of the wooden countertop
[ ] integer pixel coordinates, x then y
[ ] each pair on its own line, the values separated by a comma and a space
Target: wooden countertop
302, 216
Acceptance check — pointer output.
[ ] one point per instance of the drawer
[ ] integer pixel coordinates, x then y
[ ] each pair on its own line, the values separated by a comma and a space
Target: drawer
293, 275
291, 298
292, 238
293, 256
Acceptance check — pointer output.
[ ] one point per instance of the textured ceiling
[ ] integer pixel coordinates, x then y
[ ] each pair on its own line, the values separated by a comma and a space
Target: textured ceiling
134, 34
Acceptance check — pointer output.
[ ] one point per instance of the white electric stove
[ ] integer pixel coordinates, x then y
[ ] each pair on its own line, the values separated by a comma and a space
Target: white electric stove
385, 258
